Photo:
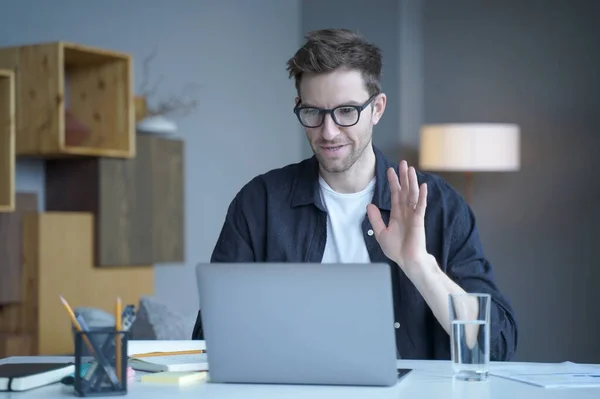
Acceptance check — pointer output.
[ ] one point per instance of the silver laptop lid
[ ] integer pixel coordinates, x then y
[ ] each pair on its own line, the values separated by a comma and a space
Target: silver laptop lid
298, 323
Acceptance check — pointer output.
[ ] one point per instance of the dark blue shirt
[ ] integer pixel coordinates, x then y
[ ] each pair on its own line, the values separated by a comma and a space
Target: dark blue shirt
279, 217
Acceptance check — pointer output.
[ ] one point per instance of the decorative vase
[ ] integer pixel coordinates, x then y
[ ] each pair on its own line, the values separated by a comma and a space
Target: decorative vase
156, 124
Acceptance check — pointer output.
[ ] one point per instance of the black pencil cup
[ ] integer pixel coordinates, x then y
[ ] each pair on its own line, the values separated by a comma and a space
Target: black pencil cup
104, 373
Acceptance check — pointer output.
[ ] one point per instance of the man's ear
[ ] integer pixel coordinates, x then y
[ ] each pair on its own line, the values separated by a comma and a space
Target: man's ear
296, 100
378, 107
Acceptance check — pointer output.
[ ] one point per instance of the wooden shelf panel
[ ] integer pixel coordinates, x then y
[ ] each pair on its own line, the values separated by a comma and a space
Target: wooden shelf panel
11, 318
11, 248
138, 203
15, 345
7, 141
62, 264
72, 100
168, 191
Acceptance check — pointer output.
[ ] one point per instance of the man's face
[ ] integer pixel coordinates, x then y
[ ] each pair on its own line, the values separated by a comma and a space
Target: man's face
338, 148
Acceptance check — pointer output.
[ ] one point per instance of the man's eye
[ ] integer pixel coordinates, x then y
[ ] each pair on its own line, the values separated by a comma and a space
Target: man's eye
346, 110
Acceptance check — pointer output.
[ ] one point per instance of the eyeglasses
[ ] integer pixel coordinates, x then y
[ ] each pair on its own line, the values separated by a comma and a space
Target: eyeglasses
343, 115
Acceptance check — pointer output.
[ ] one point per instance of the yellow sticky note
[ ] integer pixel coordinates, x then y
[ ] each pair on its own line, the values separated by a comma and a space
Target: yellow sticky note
175, 377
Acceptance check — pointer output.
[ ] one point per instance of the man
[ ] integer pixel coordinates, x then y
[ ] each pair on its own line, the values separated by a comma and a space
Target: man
348, 203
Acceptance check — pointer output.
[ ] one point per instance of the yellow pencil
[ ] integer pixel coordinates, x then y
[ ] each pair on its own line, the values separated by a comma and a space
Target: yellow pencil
118, 338
75, 323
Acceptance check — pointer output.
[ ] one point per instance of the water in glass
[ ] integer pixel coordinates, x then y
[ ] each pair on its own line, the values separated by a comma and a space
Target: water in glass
470, 343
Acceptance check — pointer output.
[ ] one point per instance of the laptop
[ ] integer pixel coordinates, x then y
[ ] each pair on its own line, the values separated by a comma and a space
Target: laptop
298, 323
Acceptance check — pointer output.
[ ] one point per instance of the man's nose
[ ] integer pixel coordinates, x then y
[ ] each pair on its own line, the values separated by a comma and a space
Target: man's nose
329, 128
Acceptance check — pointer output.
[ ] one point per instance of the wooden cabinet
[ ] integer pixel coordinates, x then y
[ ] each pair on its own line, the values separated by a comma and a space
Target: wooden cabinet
113, 198
138, 204
72, 100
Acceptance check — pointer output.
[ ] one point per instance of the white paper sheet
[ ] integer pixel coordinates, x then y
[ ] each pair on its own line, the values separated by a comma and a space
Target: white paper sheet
559, 375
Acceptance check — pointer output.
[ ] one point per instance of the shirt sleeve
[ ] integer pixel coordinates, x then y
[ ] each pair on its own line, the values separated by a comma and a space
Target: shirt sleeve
469, 268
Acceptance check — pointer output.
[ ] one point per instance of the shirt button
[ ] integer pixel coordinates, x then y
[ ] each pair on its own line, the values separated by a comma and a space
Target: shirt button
396, 325
370, 232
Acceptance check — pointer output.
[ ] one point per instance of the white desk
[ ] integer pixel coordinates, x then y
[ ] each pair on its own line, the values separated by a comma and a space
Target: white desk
428, 380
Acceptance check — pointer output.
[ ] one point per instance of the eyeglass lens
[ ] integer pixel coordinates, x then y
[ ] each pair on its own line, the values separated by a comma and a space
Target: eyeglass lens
343, 116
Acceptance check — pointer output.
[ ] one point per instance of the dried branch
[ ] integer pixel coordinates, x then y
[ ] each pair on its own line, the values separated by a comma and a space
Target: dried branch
183, 104
143, 91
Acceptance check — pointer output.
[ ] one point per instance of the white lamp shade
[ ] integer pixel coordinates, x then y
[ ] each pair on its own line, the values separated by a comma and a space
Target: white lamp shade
470, 147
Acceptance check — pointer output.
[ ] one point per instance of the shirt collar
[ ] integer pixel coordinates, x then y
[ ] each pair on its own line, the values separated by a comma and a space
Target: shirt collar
305, 188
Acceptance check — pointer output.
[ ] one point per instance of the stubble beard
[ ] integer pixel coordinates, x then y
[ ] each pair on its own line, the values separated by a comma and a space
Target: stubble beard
344, 164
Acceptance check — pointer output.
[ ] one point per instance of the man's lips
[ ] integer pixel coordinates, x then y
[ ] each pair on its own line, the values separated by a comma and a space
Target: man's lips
332, 150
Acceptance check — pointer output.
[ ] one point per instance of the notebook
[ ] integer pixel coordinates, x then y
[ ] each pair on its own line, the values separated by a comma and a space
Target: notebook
187, 362
25, 376
175, 377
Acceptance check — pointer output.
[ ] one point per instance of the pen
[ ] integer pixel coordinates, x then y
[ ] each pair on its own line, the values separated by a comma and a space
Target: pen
128, 320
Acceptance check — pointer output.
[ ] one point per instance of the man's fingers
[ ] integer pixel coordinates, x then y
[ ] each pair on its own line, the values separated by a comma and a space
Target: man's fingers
375, 218
394, 188
422, 203
413, 187
404, 184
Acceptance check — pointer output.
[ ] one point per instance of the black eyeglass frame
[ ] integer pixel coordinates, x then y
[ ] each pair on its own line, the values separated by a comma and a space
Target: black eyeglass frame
323, 112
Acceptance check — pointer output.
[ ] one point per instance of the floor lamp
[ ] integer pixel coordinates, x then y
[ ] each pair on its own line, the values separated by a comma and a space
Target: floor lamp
469, 148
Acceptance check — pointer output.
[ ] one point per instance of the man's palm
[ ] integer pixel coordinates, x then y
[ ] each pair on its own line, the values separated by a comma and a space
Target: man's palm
403, 239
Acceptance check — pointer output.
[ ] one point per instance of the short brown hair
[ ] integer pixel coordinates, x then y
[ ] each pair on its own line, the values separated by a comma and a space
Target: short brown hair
329, 49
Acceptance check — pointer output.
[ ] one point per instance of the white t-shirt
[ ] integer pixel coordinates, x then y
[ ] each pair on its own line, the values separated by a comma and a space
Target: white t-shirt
345, 214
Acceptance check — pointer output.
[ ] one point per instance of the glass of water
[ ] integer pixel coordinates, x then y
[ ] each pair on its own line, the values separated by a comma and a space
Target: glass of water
470, 336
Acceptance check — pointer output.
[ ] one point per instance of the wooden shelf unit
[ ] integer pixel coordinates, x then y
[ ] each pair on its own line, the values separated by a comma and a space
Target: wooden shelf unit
7, 141
138, 203
72, 100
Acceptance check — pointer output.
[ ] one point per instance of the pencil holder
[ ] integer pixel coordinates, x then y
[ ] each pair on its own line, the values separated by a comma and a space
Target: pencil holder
106, 369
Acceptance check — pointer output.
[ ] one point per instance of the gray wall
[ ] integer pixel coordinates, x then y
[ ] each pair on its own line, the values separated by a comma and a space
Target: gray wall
234, 50
535, 63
